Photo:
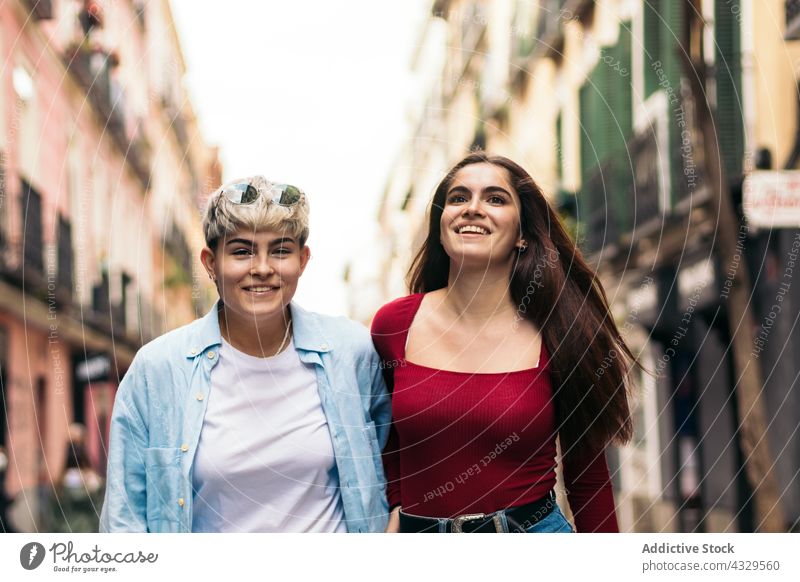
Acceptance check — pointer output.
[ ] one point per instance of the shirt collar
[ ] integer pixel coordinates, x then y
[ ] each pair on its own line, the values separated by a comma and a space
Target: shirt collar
306, 330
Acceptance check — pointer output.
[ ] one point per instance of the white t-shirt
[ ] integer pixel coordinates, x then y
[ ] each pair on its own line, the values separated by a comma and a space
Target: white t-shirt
265, 460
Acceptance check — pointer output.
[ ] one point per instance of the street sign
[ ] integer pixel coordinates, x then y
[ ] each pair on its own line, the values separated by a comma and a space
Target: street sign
771, 199
93, 368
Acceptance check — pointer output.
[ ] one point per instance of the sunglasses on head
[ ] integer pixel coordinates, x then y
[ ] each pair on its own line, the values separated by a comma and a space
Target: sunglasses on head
245, 192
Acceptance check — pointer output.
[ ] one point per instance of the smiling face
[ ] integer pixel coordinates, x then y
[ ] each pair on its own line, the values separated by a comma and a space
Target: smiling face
256, 273
480, 221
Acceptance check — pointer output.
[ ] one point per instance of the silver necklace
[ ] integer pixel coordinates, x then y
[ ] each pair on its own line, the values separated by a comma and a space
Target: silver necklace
285, 336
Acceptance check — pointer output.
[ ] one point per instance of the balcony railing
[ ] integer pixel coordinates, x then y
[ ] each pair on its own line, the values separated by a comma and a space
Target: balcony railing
623, 194
599, 213
792, 20
688, 156
645, 192
64, 272
101, 301
657, 175
108, 316
32, 231
553, 15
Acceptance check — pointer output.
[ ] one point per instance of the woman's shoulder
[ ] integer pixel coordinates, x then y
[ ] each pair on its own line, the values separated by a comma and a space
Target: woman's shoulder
390, 325
396, 315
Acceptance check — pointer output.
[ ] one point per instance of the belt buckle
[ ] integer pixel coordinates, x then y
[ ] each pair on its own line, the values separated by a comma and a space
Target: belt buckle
460, 520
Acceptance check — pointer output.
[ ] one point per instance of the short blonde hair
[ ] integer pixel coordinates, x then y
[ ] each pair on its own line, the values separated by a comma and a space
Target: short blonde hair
222, 217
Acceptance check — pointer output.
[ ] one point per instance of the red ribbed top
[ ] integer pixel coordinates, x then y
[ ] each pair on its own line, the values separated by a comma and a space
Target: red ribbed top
475, 443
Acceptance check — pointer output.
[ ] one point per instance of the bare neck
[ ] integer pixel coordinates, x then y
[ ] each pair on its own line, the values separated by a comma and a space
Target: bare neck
263, 338
479, 295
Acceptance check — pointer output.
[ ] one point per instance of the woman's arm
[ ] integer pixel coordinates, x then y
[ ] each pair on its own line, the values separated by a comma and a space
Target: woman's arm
394, 521
589, 492
125, 504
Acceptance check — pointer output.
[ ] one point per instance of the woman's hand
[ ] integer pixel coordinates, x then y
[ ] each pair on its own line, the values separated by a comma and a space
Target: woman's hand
394, 521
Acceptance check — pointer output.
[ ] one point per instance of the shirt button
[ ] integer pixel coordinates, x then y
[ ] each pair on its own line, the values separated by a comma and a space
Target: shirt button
181, 502
193, 352
184, 447
323, 347
211, 354
199, 396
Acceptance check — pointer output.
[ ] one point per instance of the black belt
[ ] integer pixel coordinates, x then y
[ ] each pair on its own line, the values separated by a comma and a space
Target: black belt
517, 519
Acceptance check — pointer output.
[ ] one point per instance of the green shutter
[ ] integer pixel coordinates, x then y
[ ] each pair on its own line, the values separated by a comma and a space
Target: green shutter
588, 157
652, 45
623, 113
606, 102
671, 32
559, 150
586, 117
730, 125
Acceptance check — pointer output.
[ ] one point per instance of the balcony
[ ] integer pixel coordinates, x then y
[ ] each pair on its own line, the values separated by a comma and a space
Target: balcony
138, 156
93, 68
179, 272
687, 159
41, 9
32, 232
620, 200
792, 20
645, 193
553, 15
107, 316
175, 119
100, 313
64, 268
598, 210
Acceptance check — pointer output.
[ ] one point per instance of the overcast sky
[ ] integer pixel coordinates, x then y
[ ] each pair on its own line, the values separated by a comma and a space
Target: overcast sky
311, 93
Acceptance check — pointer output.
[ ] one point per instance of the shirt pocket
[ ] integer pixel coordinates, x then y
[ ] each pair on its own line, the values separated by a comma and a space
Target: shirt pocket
164, 496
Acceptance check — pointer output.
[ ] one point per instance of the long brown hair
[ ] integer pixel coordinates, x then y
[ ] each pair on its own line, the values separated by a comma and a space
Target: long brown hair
556, 290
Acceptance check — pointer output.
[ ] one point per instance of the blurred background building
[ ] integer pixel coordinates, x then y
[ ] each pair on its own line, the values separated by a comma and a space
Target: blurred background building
102, 171
596, 100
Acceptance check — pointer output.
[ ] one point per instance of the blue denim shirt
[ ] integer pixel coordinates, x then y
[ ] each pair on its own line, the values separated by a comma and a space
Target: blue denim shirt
161, 402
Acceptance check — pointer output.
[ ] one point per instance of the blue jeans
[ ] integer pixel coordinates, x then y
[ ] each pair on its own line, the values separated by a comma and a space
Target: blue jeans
554, 522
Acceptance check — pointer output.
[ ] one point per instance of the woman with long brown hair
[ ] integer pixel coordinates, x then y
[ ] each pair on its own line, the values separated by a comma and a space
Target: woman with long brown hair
505, 344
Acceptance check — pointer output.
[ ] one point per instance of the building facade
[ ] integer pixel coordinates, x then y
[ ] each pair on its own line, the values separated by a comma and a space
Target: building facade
102, 169
594, 99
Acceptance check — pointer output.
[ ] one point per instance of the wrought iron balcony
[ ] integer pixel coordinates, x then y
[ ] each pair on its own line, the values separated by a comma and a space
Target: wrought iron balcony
64, 268
645, 191
553, 15
598, 213
32, 231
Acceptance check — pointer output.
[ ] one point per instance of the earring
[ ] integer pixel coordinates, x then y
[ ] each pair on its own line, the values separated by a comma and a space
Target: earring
523, 247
